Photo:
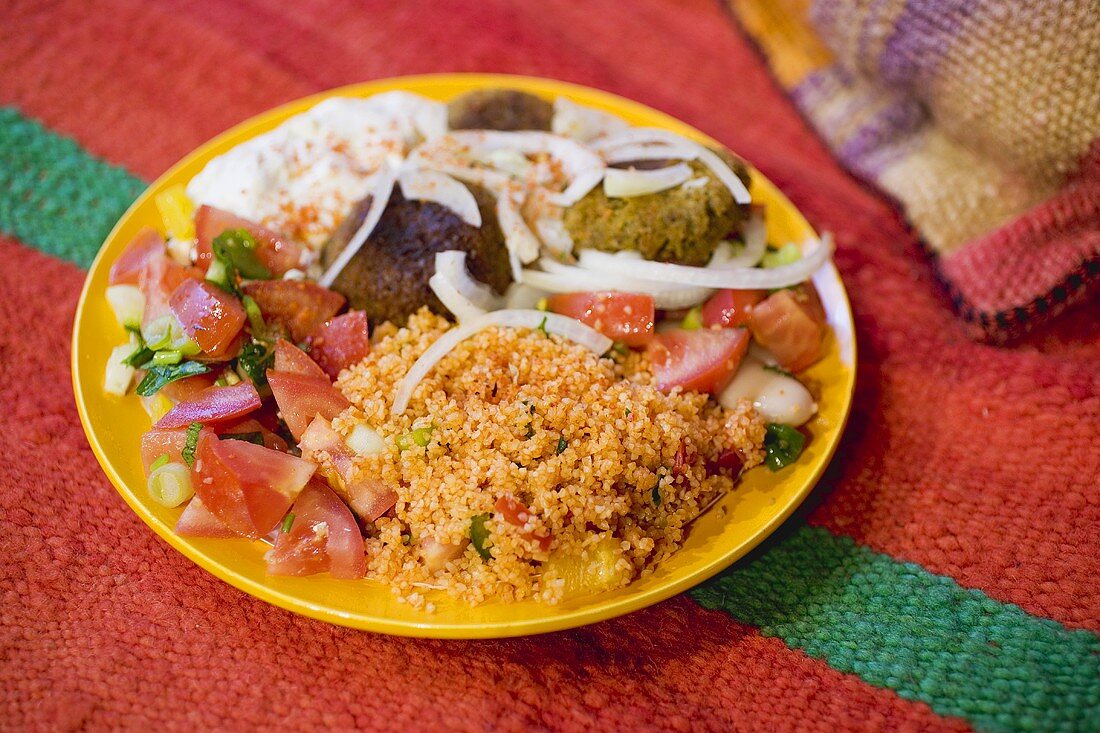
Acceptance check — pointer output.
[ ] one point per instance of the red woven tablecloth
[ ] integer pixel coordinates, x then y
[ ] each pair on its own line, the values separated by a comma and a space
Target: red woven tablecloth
944, 575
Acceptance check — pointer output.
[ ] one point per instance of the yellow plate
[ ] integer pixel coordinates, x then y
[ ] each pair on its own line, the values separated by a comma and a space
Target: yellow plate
730, 529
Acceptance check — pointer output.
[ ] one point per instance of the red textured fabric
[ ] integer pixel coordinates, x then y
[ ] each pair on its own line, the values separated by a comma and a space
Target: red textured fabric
975, 462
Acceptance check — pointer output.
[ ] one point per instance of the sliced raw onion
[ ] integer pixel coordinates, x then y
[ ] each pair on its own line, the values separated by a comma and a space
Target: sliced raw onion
552, 232
583, 123
638, 151
380, 197
428, 185
521, 295
706, 156
755, 235
620, 183
564, 326
452, 265
559, 278
454, 301
523, 245
814, 256
428, 117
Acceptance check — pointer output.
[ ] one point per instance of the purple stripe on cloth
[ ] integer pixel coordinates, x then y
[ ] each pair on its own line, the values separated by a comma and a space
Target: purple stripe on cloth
922, 38
865, 148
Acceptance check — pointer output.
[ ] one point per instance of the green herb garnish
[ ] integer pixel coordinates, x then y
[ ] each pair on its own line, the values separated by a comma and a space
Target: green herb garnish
191, 444
562, 444
406, 538
288, 522
776, 369
162, 460
656, 494
238, 247
254, 360
158, 376
693, 320
165, 358
255, 437
141, 355
782, 445
542, 326
255, 318
785, 255
530, 431
421, 437
479, 536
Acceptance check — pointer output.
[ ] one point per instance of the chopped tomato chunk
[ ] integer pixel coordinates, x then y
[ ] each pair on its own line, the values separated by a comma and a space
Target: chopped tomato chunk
249, 426
516, 513
185, 389
368, 497
127, 268
289, 358
198, 521
323, 536
703, 360
626, 317
302, 397
299, 307
786, 325
157, 442
731, 308
213, 404
276, 252
210, 316
247, 487
340, 343
159, 278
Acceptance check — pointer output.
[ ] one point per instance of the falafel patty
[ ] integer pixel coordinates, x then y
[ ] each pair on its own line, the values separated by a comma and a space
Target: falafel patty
499, 109
388, 276
682, 224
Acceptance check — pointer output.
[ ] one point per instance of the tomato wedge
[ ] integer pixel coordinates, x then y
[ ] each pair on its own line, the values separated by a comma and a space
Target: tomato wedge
323, 536
159, 278
731, 308
247, 487
340, 343
702, 360
278, 253
302, 397
786, 325
209, 315
157, 442
126, 270
369, 498
516, 513
289, 358
626, 317
249, 426
213, 404
299, 307
198, 521
187, 388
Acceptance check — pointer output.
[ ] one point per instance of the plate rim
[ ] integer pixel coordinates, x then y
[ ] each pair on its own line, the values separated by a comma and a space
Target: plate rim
581, 616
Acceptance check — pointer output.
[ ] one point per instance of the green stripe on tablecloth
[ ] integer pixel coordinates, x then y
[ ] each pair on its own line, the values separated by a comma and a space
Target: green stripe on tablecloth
896, 625
893, 624
54, 195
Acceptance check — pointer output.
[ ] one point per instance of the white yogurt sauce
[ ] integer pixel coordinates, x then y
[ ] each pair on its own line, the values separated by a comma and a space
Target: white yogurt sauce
303, 177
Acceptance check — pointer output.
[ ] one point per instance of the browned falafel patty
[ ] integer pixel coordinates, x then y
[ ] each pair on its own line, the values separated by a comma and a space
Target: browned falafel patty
499, 109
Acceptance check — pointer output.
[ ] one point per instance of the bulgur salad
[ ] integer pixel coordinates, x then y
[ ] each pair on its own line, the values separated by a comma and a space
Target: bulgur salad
505, 348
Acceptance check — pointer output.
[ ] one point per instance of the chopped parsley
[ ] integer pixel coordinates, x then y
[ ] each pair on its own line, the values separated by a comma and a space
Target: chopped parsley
562, 445
530, 431
782, 446
776, 369
158, 376
542, 326
192, 443
479, 536
288, 522
255, 359
162, 460
255, 317
656, 494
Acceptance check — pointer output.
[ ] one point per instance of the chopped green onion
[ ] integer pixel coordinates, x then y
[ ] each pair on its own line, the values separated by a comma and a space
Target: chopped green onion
158, 376
158, 334
255, 317
192, 443
785, 255
161, 460
406, 538
254, 361
139, 356
562, 444
166, 358
782, 445
542, 305
421, 437
255, 437
170, 485
236, 247
288, 522
693, 320
776, 369
479, 536
542, 327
